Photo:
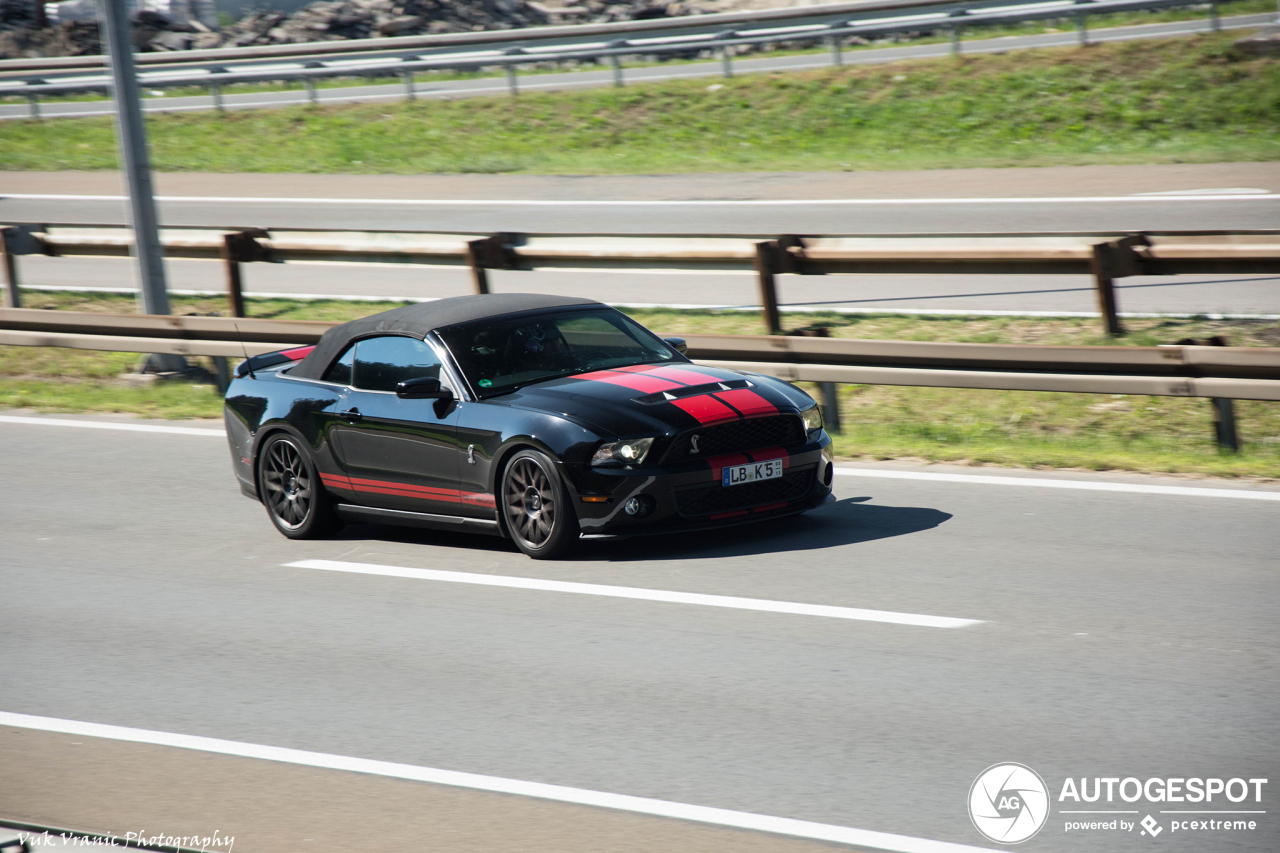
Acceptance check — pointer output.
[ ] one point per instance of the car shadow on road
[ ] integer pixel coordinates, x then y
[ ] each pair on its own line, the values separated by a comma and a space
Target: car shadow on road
846, 522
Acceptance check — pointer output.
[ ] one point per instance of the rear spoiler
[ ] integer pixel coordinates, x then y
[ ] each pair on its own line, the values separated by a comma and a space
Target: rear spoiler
271, 359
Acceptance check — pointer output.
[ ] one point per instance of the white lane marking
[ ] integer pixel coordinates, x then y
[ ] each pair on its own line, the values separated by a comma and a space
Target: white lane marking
65, 422
750, 202
1039, 482
498, 784
640, 594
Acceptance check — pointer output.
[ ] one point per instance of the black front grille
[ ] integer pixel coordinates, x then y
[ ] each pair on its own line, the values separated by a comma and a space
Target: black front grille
774, 431
715, 498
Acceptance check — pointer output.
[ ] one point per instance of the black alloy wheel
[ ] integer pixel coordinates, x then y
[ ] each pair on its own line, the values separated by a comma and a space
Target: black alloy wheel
296, 502
536, 508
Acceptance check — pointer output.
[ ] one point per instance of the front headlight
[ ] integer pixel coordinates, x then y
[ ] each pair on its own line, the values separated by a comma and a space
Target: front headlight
629, 452
812, 418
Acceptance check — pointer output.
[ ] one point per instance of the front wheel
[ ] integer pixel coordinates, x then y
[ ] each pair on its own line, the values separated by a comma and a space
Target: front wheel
296, 502
536, 507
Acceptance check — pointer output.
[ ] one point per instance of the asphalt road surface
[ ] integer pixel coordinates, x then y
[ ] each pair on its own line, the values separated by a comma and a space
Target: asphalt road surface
599, 79
1120, 634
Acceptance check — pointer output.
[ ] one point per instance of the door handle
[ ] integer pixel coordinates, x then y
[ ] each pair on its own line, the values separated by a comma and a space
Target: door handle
351, 415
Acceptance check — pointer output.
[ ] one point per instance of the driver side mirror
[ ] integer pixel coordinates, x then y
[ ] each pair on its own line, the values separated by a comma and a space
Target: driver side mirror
422, 388
677, 344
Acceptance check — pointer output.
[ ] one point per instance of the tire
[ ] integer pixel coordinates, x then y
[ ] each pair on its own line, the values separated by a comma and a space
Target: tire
536, 507
296, 501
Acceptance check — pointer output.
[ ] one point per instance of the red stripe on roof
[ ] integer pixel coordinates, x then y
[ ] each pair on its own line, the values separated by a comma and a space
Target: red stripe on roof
643, 383
706, 409
748, 402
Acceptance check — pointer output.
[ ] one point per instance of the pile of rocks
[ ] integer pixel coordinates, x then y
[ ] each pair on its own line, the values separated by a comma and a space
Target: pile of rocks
75, 32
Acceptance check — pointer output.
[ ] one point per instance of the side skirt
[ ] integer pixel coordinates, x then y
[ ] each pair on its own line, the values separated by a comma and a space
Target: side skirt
377, 515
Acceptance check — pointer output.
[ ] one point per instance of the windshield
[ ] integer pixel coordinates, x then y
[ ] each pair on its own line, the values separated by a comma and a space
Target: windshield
501, 355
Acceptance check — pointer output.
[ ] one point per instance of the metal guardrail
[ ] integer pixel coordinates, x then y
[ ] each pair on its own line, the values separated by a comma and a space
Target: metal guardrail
1242, 373
1104, 256
510, 49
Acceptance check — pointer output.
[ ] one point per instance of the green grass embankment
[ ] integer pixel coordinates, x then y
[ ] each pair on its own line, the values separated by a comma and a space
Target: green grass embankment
1151, 101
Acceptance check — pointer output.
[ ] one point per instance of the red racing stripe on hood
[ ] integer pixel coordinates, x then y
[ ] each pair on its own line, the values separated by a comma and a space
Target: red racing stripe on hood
706, 409
748, 402
676, 374
643, 383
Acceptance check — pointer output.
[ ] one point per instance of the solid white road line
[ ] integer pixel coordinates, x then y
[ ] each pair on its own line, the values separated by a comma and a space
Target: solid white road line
751, 202
453, 778
65, 422
640, 594
1044, 483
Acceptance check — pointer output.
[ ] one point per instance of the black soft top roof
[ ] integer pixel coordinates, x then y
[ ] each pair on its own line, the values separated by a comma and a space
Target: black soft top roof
417, 320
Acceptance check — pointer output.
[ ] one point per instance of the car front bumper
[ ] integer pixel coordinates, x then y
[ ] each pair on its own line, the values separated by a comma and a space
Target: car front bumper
692, 496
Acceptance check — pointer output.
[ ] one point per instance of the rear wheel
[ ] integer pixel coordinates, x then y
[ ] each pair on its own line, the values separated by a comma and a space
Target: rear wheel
296, 502
536, 507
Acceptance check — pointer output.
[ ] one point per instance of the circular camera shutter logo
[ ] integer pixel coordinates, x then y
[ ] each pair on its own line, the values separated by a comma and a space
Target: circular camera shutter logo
1008, 803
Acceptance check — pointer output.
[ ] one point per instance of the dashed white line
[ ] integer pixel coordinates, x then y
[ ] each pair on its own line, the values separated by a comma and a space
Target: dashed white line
497, 784
640, 594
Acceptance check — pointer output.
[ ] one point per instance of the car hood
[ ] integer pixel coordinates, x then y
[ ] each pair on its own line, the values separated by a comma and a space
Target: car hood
659, 398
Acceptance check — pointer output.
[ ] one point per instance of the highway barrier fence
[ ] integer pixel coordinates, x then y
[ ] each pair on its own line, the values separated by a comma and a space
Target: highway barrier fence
1220, 373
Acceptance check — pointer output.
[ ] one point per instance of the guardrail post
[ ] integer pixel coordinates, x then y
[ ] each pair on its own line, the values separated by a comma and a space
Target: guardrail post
12, 295
34, 103
240, 247
726, 62
955, 41
490, 253
1082, 27
837, 58
1215, 22
215, 92
407, 77
1109, 262
616, 62
310, 86
512, 86
830, 406
766, 264
475, 260
1224, 424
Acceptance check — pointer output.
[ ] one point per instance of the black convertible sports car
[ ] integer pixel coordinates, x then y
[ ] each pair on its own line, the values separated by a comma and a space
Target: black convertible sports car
538, 418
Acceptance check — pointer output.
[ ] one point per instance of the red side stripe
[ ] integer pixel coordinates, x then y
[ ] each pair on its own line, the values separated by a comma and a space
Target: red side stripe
336, 480
404, 487
407, 490
706, 409
297, 352
400, 493
748, 402
636, 382
478, 498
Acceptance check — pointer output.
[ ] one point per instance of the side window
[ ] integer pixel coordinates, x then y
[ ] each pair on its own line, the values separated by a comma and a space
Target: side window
381, 363
340, 371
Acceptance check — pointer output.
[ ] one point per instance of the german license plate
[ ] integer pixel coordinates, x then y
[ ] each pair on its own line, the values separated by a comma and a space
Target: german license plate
735, 475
